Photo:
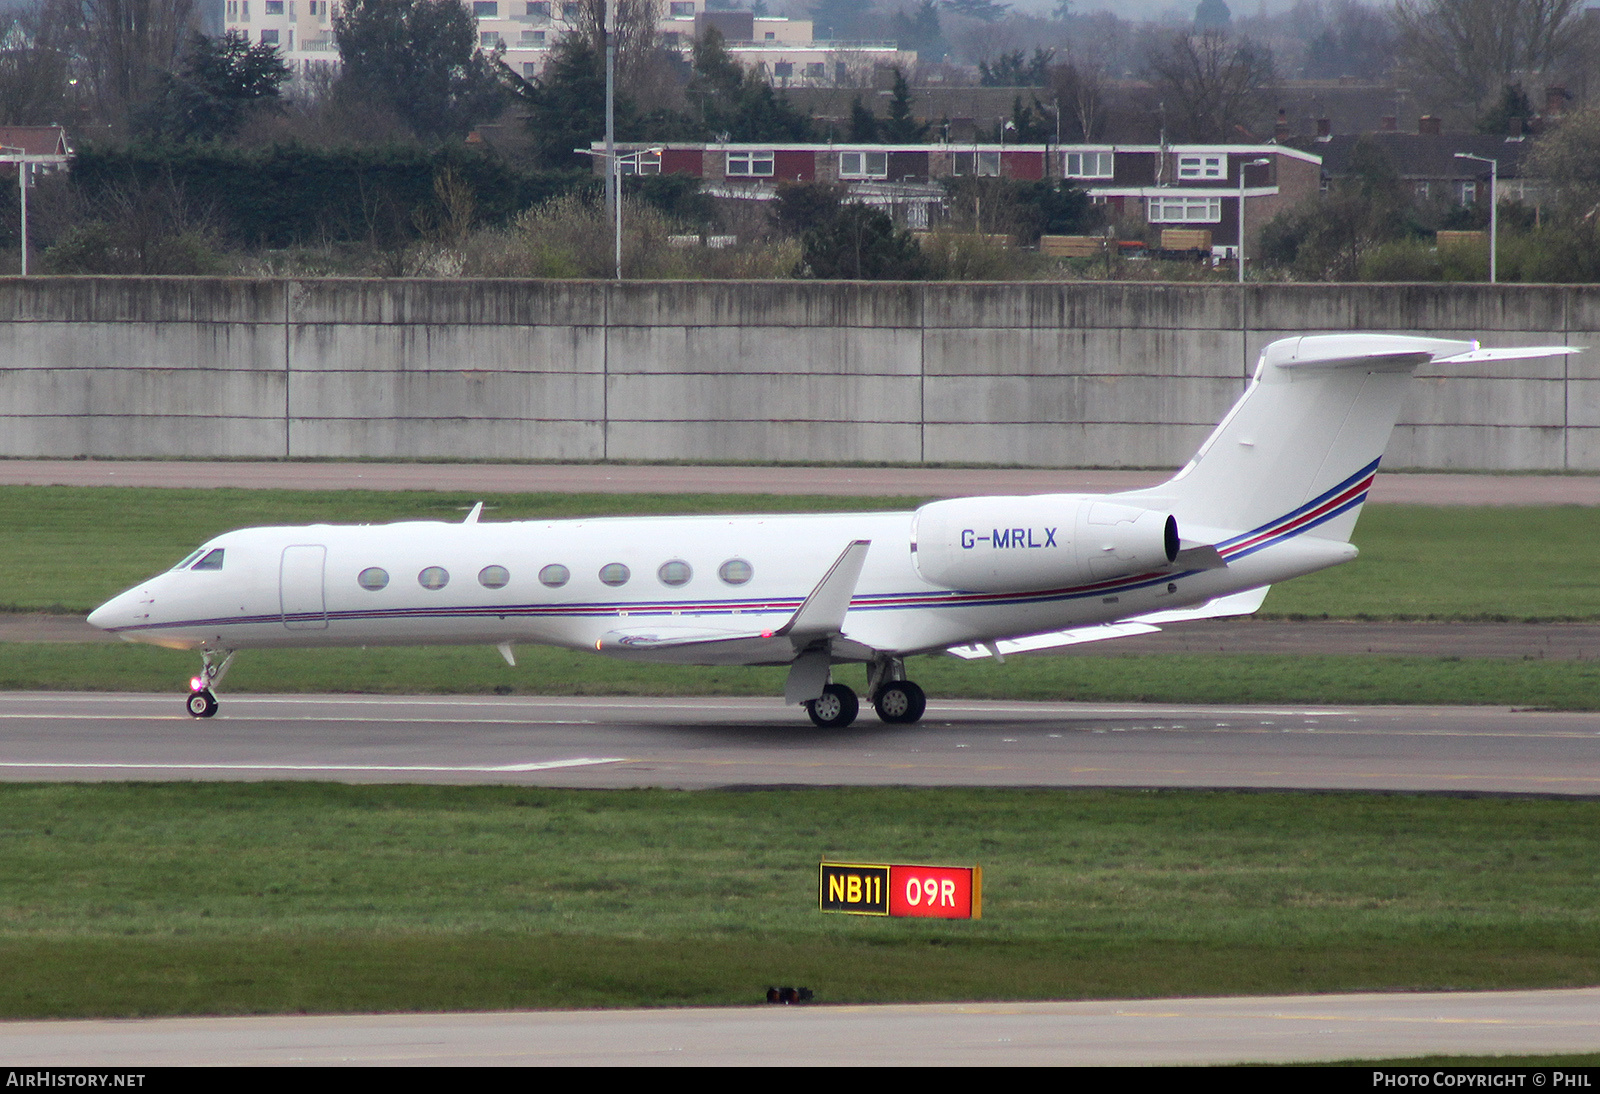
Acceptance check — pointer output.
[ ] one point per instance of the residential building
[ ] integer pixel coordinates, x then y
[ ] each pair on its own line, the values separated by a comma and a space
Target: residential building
1189, 186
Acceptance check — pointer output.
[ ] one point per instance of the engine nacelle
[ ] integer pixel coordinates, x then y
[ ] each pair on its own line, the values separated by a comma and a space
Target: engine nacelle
1046, 541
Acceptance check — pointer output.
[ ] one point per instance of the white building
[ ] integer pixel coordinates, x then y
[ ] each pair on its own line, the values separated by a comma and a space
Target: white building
783, 50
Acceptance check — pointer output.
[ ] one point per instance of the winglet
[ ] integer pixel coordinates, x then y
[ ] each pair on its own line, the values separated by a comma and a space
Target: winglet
822, 614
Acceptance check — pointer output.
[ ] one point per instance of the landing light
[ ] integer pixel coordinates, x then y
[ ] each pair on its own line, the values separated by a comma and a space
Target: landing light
196, 683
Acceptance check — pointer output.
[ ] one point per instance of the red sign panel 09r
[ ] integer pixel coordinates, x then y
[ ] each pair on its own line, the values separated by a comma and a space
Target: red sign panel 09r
936, 892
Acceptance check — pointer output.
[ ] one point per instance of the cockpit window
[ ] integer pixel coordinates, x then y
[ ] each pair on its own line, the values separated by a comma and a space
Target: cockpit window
190, 557
212, 561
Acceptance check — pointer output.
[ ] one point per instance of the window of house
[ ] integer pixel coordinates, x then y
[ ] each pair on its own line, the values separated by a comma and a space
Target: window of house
532, 38
1178, 209
681, 8
233, 11
1202, 167
769, 36
244, 10
639, 163
1420, 189
488, 39
1469, 193
750, 164
269, 37
863, 165
977, 163
783, 70
274, 7
1089, 165
816, 70
538, 9
530, 69
486, 9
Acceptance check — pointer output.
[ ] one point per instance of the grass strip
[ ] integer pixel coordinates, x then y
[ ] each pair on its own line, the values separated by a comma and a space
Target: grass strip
138, 899
68, 549
1159, 678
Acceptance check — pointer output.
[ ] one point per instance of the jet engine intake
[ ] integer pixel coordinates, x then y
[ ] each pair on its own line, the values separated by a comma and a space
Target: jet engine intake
1046, 541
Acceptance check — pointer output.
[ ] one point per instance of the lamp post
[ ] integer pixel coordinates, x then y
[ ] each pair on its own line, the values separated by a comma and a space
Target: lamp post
1494, 209
22, 159
1242, 166
614, 163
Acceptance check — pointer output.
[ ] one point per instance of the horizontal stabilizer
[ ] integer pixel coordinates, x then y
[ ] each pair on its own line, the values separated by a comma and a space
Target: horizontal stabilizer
1515, 353
1244, 603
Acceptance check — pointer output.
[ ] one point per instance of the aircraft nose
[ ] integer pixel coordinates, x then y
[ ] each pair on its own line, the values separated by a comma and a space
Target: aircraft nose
117, 612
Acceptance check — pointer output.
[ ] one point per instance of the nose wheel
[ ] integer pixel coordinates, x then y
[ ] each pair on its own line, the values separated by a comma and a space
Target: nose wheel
202, 703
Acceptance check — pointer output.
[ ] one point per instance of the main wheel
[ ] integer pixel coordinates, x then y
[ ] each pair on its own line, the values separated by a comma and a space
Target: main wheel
202, 704
835, 708
900, 702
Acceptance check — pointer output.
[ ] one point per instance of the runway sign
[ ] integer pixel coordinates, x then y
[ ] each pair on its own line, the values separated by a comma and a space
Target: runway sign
930, 892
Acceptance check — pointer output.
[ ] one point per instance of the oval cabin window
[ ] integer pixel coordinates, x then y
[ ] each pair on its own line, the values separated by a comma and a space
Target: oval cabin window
554, 575
494, 577
373, 577
614, 574
434, 577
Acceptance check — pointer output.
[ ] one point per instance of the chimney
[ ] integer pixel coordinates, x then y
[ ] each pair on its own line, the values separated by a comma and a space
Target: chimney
1324, 129
1517, 129
1389, 124
1428, 126
1280, 131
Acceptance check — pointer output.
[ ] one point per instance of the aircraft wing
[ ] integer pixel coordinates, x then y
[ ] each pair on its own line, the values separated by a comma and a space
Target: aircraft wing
697, 646
1244, 603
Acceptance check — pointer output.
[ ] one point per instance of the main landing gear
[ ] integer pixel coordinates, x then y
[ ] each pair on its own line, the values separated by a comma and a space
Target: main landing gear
201, 702
895, 699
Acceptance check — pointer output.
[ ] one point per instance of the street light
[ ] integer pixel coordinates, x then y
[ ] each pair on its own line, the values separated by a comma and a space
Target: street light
22, 158
1242, 166
1494, 208
614, 163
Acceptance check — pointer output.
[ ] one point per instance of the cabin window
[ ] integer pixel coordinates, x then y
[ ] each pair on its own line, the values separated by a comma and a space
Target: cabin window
675, 573
212, 561
735, 571
554, 575
494, 577
614, 574
434, 577
373, 578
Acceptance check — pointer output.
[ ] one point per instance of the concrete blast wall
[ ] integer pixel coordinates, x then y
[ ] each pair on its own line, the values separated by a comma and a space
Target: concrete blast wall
1047, 374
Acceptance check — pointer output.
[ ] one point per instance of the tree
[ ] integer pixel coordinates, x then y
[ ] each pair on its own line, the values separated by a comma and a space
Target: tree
987, 10
221, 81
737, 103
1470, 49
860, 243
1213, 86
863, 123
918, 29
567, 104
1356, 41
1567, 157
1079, 93
1212, 15
127, 45
1327, 239
1011, 70
35, 63
901, 127
420, 59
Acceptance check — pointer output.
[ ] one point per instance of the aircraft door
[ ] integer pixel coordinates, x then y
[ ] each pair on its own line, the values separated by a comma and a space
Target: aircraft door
300, 587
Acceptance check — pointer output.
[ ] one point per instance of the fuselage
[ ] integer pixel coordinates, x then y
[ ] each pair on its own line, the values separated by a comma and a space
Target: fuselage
571, 582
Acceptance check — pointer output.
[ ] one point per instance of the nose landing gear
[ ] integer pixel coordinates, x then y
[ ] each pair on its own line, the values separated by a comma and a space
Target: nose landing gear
201, 702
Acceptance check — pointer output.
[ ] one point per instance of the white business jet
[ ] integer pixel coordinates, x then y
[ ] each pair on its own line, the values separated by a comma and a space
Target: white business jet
1272, 494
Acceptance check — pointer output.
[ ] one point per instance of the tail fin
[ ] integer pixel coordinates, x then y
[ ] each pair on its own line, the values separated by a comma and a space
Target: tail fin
1305, 439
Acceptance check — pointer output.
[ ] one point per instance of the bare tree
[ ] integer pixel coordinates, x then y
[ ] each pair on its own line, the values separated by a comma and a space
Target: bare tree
35, 63
128, 44
635, 30
1212, 85
1469, 50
